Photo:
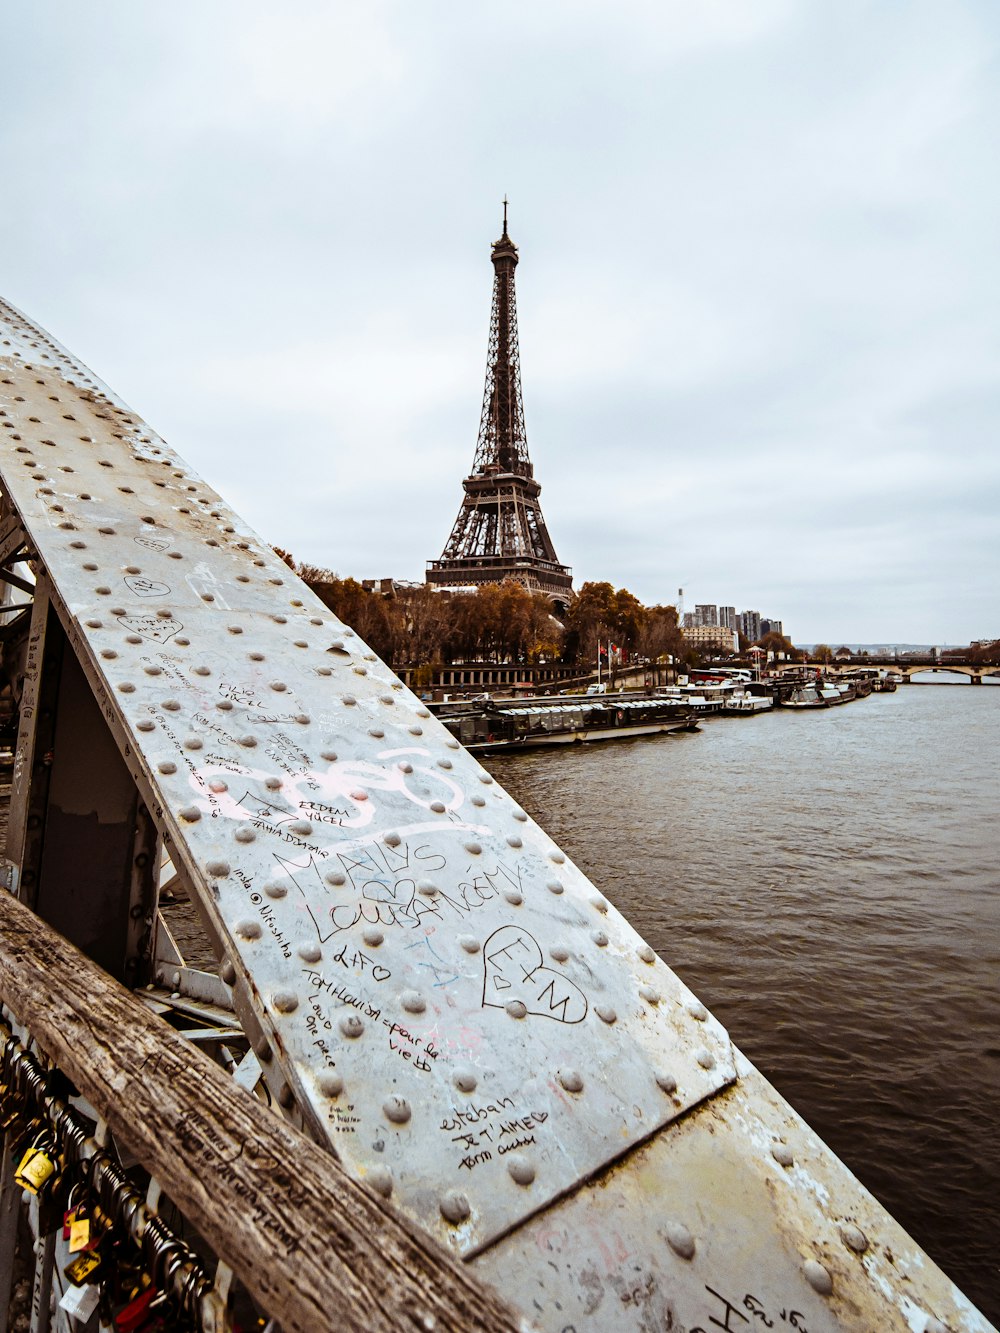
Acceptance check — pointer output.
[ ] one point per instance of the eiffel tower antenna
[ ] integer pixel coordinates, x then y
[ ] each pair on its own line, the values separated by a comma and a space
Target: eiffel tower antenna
500, 532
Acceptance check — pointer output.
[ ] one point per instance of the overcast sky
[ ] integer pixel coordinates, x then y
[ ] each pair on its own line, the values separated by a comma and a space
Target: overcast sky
758, 289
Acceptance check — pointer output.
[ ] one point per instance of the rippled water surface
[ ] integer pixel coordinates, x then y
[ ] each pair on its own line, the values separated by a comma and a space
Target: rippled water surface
828, 883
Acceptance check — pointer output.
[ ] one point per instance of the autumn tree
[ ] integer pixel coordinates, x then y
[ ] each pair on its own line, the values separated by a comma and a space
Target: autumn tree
661, 635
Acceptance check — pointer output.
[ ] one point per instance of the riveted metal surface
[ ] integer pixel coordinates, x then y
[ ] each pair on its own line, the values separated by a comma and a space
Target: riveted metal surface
451, 1002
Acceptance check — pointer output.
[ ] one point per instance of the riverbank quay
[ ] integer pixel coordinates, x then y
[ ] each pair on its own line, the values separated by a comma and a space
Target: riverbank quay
430, 996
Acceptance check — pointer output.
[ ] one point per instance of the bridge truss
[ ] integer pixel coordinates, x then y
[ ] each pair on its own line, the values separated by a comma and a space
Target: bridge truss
399, 960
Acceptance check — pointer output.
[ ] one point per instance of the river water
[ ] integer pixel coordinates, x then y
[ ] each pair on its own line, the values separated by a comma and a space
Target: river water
828, 883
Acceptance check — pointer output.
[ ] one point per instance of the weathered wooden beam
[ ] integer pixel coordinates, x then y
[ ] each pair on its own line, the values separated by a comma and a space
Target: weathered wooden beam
316, 1248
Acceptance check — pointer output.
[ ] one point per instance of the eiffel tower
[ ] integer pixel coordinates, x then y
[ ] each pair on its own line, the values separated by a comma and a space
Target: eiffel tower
500, 532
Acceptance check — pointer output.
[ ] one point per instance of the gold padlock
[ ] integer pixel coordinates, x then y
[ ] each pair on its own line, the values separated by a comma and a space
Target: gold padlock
79, 1234
82, 1266
35, 1168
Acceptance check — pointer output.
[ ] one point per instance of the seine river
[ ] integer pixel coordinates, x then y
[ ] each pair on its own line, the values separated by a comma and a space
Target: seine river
829, 884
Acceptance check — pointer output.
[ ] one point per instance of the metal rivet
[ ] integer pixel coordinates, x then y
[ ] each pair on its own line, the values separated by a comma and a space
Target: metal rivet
330, 1084
697, 1011
380, 1179
521, 1171
854, 1238
570, 1079
516, 1009
372, 937
151, 669
465, 1080
666, 1082
427, 887
95, 624
171, 705
469, 944
646, 953
301, 827
248, 742
415, 730
274, 889
358, 794
279, 686
680, 1240
235, 629
351, 1025
218, 868
335, 877
601, 940
349, 700
404, 767
514, 841
392, 839
191, 813
423, 712
224, 705
248, 930
309, 952
705, 1058
473, 848
601, 904
145, 725
126, 687
286, 1097
192, 743
262, 1050
202, 671
557, 857
376, 732
554, 886
782, 1154
413, 1002
285, 1002
330, 756
818, 1277
396, 1109
444, 763
513, 897
109, 653
217, 785
454, 1206
228, 972
272, 783
605, 1013
650, 995
167, 767
438, 807
477, 799
485, 779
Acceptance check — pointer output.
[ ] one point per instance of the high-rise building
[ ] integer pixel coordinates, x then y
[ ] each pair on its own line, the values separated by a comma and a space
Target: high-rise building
727, 617
500, 532
706, 614
771, 627
750, 625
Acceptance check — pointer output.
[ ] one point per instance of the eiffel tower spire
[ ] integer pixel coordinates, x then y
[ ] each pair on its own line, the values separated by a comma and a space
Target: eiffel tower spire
500, 532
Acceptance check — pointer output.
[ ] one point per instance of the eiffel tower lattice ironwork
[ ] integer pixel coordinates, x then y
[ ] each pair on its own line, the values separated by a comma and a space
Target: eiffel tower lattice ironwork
500, 532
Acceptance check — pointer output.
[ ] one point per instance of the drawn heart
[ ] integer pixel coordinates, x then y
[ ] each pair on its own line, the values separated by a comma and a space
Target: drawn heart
143, 587
151, 628
513, 970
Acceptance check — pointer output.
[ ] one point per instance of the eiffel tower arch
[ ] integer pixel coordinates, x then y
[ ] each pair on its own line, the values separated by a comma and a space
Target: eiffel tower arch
500, 532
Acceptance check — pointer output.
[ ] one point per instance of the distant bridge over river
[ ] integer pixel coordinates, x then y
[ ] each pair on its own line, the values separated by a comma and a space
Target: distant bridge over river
918, 666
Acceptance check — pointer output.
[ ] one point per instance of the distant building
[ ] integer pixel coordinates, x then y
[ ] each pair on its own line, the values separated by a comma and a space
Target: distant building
711, 637
750, 625
707, 614
688, 620
771, 627
727, 617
